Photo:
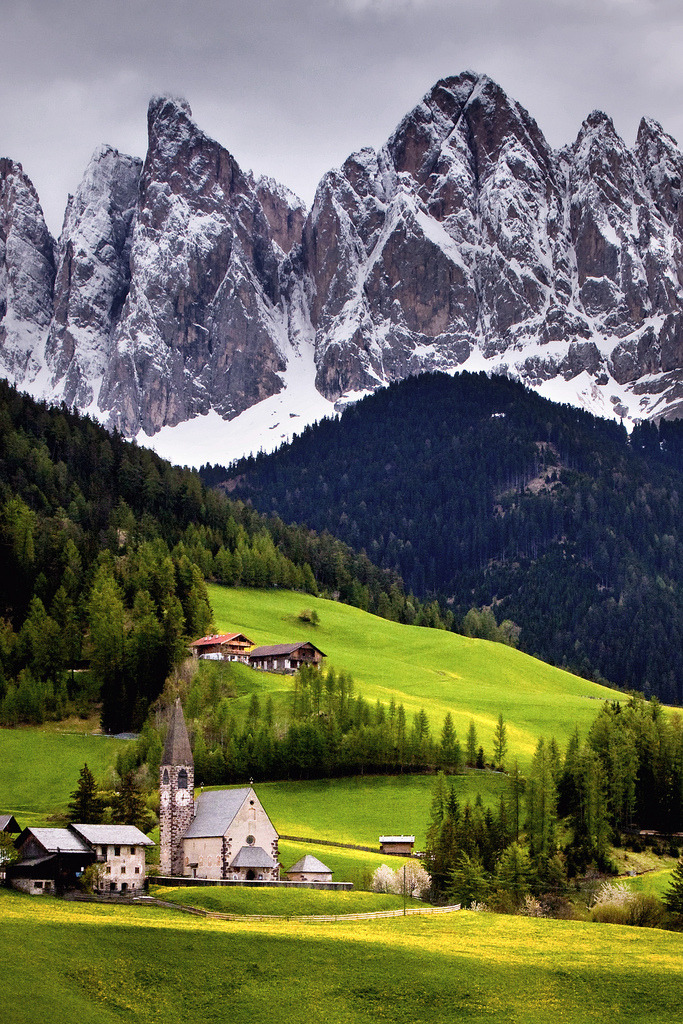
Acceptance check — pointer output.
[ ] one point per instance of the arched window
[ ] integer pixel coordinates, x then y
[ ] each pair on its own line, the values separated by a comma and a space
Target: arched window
165, 781
182, 779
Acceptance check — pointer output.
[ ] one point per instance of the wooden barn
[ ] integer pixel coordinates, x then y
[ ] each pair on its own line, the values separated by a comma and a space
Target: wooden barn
285, 657
222, 647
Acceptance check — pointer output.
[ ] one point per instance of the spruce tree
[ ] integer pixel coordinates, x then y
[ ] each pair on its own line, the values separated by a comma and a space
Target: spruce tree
673, 897
85, 806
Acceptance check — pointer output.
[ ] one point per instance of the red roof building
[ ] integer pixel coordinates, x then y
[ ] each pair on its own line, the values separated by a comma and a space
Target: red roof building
222, 647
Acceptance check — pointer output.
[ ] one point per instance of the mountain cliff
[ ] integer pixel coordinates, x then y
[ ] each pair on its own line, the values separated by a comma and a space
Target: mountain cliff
184, 285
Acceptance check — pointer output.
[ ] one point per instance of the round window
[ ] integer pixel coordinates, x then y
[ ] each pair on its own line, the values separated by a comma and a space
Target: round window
250, 840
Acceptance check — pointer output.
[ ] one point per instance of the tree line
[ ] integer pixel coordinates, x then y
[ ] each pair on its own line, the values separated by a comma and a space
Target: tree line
328, 729
563, 817
106, 549
481, 494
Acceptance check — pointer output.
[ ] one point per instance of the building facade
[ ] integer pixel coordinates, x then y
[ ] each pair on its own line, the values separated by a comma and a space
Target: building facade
224, 834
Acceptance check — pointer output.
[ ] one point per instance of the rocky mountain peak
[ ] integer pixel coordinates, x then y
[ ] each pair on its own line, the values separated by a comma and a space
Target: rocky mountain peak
184, 284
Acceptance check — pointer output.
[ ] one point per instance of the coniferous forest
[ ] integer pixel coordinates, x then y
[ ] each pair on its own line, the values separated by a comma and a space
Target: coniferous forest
480, 494
105, 550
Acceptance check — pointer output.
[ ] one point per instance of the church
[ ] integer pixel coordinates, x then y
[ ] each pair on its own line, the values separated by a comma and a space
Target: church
224, 834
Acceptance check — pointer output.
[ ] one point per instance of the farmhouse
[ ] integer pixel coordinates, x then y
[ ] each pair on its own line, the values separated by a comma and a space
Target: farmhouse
225, 834
222, 647
51, 860
285, 657
120, 850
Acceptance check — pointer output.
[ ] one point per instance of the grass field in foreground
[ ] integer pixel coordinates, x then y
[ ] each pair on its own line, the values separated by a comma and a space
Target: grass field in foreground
103, 964
40, 769
423, 668
237, 900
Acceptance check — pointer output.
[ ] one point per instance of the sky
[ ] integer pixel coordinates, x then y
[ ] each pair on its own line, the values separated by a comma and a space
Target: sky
292, 87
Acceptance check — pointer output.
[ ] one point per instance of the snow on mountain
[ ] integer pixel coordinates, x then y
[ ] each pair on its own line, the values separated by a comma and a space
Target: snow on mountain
209, 313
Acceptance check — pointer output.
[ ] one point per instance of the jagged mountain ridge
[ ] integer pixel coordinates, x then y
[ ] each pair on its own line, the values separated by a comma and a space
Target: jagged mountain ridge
185, 285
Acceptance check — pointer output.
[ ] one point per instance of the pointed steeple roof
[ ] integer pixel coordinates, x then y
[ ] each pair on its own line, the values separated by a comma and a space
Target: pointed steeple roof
177, 747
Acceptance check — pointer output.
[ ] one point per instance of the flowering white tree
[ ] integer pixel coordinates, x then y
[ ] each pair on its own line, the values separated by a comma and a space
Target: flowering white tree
417, 881
384, 879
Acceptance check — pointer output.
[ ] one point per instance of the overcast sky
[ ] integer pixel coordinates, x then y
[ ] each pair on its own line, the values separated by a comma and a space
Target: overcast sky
292, 87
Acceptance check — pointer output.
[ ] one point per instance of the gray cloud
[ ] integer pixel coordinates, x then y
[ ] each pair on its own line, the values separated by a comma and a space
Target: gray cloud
291, 88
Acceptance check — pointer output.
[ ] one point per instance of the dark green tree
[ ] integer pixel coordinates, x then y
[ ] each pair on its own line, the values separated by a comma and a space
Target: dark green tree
85, 806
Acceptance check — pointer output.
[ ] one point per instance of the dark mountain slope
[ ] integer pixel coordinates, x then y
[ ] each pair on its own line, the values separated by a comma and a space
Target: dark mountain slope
480, 492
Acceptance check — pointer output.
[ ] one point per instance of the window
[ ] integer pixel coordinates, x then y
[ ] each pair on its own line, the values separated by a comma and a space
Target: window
137, 871
37, 885
108, 870
165, 781
123, 869
117, 851
132, 850
182, 779
104, 851
250, 840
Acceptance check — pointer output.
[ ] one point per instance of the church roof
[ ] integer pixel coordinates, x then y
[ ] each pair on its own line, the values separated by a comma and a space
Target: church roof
214, 812
310, 863
177, 746
252, 857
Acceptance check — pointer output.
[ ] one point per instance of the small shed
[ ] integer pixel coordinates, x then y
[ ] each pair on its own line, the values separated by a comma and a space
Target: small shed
309, 869
398, 845
285, 658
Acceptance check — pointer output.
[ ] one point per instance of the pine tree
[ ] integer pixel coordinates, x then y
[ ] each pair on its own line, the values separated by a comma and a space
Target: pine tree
85, 807
673, 897
129, 806
471, 745
500, 743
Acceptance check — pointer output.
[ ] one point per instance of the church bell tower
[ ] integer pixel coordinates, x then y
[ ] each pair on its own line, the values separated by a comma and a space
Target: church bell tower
176, 787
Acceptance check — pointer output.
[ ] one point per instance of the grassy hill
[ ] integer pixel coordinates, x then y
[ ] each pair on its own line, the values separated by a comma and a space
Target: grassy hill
104, 964
420, 668
40, 769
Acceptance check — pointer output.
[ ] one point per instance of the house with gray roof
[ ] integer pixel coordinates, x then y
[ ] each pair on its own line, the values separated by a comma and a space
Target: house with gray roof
52, 860
285, 658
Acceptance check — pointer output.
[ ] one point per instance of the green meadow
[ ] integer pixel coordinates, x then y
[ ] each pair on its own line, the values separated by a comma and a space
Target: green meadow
421, 668
103, 964
360, 809
40, 769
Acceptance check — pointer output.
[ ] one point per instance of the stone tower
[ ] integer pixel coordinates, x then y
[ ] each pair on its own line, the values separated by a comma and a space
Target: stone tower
176, 787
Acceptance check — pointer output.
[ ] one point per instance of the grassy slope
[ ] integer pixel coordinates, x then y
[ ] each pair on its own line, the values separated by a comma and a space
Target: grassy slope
285, 902
43, 769
423, 668
104, 964
360, 809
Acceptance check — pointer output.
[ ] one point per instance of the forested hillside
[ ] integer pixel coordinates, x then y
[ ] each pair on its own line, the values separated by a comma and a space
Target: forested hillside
105, 549
481, 493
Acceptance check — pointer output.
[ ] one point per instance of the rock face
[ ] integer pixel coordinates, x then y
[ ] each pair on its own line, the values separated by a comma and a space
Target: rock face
93, 275
185, 285
27, 273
